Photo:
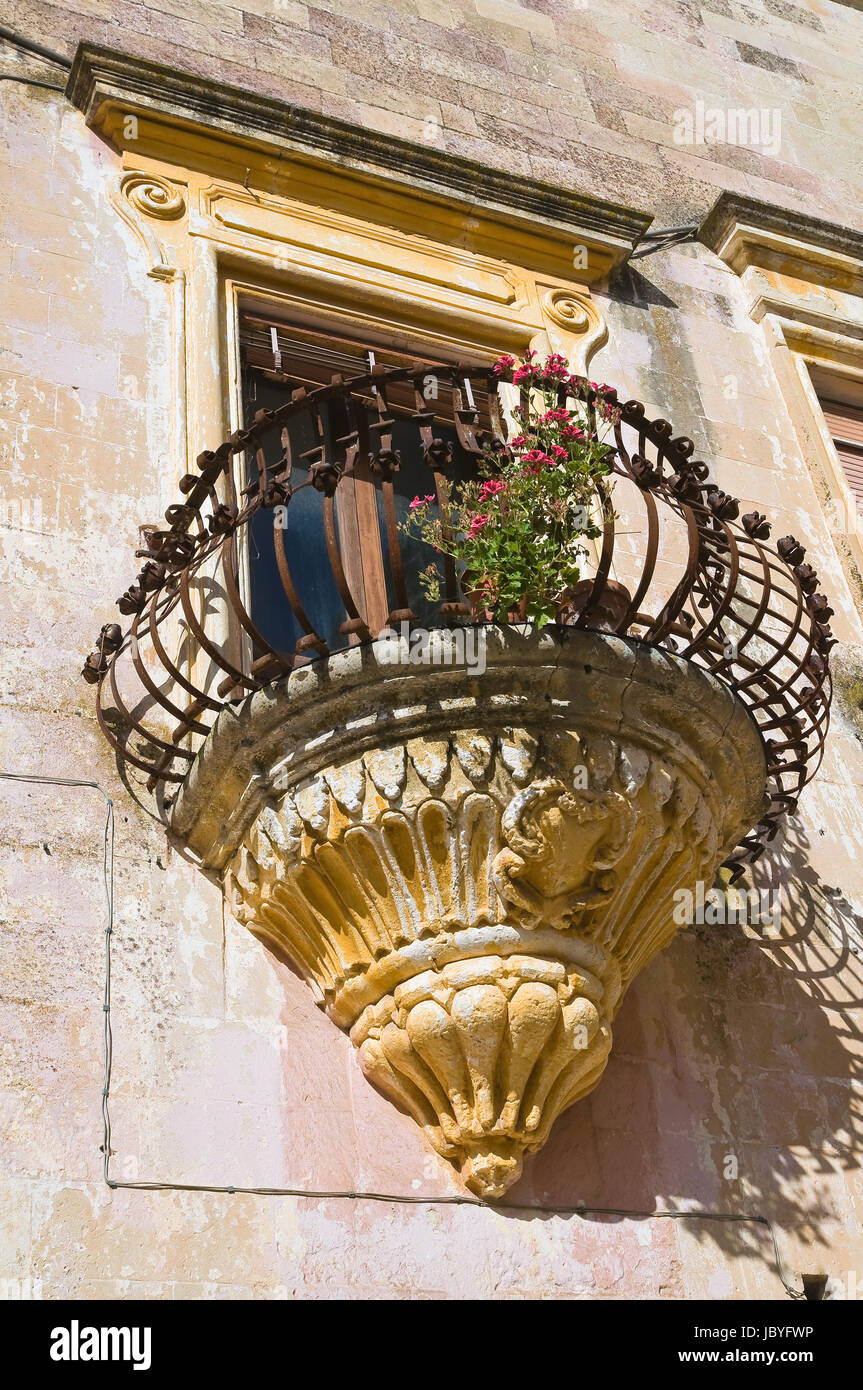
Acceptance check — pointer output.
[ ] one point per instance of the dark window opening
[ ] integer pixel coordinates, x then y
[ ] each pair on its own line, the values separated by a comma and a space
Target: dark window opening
277, 360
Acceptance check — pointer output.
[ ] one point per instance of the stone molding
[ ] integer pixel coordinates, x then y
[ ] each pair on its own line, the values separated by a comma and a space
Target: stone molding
109, 86
469, 870
802, 280
140, 198
153, 196
745, 232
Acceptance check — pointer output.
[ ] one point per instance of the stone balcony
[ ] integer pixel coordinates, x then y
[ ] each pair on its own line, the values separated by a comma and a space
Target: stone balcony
468, 847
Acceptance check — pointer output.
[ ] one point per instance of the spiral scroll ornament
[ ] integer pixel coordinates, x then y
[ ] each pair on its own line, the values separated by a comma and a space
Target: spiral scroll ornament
153, 196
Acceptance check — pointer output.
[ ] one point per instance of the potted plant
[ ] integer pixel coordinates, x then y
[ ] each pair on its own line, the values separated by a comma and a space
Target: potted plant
518, 533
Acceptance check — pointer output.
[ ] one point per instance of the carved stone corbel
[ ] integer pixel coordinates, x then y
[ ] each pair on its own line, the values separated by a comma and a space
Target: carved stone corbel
140, 196
469, 869
574, 326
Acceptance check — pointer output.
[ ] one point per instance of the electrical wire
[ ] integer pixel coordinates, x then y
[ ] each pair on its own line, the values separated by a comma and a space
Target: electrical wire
668, 236
402, 1199
30, 82
31, 46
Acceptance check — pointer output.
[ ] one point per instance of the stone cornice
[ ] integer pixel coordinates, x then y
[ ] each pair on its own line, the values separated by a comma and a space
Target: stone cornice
745, 232
108, 86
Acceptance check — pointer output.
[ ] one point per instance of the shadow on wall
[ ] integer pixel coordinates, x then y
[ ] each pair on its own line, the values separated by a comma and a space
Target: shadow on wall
729, 1085
629, 286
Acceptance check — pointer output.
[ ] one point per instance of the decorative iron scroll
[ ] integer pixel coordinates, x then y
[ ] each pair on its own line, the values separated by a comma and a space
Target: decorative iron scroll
744, 610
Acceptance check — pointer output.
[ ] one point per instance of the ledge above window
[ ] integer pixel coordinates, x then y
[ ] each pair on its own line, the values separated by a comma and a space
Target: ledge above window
745, 232
194, 122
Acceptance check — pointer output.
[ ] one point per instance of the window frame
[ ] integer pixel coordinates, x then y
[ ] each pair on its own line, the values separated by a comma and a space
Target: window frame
843, 515
242, 296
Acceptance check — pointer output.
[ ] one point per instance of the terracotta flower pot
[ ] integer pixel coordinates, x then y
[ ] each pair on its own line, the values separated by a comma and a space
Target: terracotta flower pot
604, 614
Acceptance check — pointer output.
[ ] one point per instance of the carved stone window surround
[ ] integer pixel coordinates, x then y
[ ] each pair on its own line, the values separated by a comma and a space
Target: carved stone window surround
235, 193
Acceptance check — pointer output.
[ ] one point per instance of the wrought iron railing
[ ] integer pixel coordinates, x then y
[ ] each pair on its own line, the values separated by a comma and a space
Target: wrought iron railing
699, 579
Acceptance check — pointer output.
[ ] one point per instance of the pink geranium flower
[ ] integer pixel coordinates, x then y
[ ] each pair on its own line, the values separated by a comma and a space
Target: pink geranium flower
556, 366
539, 457
539, 478
490, 488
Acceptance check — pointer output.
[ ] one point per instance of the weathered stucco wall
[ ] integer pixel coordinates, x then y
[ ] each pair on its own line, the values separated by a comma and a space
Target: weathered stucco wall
730, 1046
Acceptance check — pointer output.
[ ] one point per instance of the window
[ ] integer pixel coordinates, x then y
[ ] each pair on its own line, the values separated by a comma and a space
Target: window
278, 358
841, 402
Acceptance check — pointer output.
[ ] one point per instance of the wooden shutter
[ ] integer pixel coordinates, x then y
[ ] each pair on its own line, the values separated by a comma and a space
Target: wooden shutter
296, 355
293, 355
845, 423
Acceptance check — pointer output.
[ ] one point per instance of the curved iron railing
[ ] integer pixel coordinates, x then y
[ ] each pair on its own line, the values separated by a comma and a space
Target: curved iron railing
700, 580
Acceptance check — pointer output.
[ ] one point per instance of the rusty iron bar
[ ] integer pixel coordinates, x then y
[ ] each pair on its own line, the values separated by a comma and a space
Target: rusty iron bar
743, 610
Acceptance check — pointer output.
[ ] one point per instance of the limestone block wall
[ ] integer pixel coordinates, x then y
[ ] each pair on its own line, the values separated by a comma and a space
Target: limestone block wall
731, 1046
581, 92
